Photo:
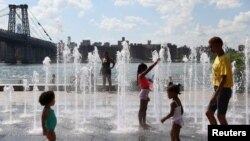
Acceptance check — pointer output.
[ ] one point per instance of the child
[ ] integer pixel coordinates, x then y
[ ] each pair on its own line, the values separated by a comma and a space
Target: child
176, 111
144, 84
47, 99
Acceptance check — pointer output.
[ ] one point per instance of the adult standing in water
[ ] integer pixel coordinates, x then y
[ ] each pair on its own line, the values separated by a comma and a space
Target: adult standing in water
222, 81
106, 69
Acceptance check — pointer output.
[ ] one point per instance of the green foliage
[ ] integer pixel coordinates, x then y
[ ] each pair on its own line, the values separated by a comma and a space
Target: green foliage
238, 57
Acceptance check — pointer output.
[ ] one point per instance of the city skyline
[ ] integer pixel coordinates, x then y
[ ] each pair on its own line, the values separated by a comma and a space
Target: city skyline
180, 22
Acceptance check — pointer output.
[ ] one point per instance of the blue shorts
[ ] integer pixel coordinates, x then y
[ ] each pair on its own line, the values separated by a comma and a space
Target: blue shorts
222, 101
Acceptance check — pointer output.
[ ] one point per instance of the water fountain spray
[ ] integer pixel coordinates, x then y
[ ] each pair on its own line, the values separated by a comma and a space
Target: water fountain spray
66, 56
234, 98
246, 53
123, 59
93, 59
194, 60
156, 87
46, 66
77, 59
204, 61
84, 78
35, 80
26, 88
185, 60
9, 90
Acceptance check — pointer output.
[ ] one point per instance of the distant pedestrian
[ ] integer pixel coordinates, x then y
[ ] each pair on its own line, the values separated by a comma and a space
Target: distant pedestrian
106, 70
53, 80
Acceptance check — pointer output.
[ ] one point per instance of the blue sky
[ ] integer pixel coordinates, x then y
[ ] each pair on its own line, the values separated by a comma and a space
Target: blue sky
190, 22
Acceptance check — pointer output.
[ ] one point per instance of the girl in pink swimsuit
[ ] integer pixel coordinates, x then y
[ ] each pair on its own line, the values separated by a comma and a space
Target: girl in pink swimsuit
176, 112
144, 85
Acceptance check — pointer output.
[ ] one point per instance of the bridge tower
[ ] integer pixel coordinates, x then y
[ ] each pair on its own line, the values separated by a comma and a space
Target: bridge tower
12, 18
19, 52
24, 18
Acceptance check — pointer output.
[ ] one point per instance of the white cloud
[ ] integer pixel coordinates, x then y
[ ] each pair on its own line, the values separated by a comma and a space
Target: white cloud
176, 14
233, 32
122, 2
135, 19
52, 8
179, 26
50, 11
222, 4
83, 5
240, 22
59, 24
111, 23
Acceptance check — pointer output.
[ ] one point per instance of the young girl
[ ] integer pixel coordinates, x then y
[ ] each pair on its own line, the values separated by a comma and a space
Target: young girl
176, 112
47, 99
144, 84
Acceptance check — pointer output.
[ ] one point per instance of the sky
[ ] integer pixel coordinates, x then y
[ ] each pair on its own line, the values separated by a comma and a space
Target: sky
182, 22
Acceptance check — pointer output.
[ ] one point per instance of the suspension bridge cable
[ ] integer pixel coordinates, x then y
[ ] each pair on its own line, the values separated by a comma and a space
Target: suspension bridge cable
19, 17
4, 15
37, 27
34, 31
41, 35
40, 26
2, 10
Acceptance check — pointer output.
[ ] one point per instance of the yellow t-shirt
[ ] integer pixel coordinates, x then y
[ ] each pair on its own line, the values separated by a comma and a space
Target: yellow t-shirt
222, 66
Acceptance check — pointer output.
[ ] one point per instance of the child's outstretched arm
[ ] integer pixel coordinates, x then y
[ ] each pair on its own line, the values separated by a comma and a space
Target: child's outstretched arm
173, 106
150, 67
44, 116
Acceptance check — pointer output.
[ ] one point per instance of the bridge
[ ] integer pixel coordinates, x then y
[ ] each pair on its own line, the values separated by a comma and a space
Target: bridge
16, 43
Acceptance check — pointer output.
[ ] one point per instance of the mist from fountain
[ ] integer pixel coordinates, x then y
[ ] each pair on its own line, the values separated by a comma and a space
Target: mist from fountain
158, 82
9, 90
36, 129
246, 54
26, 88
77, 60
84, 84
169, 61
46, 66
204, 60
190, 74
234, 98
5, 99
58, 48
122, 67
156, 88
194, 60
93, 59
185, 60
66, 57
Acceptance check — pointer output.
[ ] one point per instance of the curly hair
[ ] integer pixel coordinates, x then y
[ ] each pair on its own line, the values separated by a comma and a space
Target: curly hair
46, 97
174, 88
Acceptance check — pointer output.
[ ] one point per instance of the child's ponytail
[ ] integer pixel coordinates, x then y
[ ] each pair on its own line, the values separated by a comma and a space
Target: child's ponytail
174, 88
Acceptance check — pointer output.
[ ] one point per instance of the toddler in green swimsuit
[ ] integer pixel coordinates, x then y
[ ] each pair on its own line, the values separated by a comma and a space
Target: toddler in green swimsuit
47, 99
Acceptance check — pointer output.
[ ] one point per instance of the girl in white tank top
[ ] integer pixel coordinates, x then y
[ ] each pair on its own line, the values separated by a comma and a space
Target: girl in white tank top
177, 117
176, 112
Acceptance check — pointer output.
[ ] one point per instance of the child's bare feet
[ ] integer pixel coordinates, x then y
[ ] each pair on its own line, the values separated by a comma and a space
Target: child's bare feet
148, 126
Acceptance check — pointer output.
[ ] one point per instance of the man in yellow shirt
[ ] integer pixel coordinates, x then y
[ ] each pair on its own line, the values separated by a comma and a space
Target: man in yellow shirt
222, 81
